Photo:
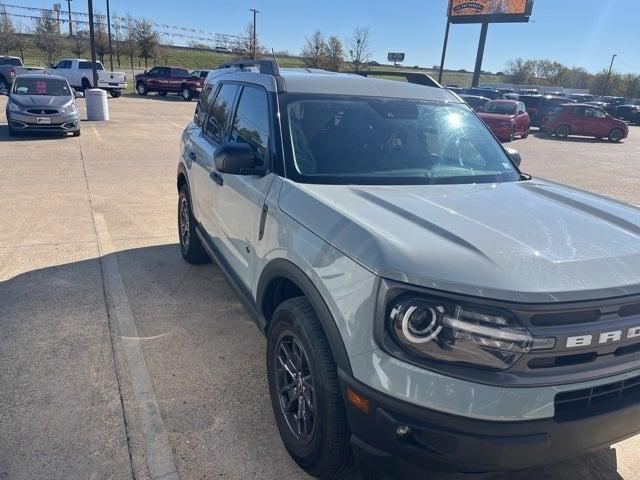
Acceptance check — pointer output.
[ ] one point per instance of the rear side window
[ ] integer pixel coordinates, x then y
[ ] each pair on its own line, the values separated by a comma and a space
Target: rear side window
87, 66
219, 112
203, 104
251, 123
179, 72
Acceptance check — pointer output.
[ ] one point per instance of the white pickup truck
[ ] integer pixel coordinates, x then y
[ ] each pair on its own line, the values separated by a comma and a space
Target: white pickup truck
80, 75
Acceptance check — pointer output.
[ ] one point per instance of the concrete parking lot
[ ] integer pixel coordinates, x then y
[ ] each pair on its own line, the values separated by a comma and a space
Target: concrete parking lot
118, 360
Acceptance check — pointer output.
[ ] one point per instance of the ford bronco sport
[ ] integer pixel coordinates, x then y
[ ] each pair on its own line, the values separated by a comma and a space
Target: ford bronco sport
426, 304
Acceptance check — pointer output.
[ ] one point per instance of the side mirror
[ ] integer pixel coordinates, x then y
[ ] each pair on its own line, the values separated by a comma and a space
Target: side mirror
52, 65
145, 72
515, 156
235, 158
78, 94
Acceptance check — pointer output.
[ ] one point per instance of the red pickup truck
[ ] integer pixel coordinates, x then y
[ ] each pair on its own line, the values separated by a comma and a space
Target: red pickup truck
165, 80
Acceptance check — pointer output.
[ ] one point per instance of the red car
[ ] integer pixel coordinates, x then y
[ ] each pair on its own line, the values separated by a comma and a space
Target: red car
506, 119
169, 80
585, 120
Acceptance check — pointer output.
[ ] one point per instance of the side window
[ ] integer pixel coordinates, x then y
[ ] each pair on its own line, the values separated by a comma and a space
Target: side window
64, 64
203, 74
577, 112
201, 108
164, 71
595, 113
219, 112
251, 123
154, 71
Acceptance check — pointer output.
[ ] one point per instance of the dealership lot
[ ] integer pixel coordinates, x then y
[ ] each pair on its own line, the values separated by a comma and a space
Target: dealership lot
88, 248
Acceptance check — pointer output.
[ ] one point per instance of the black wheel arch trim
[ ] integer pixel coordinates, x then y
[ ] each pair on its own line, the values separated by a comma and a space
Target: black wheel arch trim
286, 269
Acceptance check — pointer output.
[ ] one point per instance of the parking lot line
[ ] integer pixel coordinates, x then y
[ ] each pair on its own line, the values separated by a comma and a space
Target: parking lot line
95, 130
159, 454
166, 119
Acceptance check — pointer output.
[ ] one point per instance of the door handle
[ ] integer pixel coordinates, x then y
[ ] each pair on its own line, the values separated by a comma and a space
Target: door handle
216, 177
192, 156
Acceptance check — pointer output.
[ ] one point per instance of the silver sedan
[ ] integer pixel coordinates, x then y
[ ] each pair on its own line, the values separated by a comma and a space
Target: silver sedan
42, 103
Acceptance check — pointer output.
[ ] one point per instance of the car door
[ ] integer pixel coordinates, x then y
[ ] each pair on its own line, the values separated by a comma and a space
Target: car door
206, 141
522, 118
598, 122
578, 122
164, 79
152, 78
240, 198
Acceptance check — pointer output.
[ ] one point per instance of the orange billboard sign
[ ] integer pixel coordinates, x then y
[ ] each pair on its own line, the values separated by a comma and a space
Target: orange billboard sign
490, 10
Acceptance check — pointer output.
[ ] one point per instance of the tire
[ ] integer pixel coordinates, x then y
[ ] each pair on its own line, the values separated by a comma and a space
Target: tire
141, 88
86, 84
615, 135
12, 132
4, 86
563, 131
162, 94
525, 134
116, 93
190, 244
324, 451
186, 94
76, 133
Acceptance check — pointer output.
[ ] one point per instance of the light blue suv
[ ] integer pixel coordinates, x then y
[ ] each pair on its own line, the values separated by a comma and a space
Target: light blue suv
427, 305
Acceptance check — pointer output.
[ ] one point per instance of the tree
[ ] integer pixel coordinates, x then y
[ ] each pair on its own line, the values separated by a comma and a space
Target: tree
164, 50
100, 35
244, 45
130, 42
8, 35
335, 53
314, 53
78, 45
48, 40
147, 40
359, 48
521, 71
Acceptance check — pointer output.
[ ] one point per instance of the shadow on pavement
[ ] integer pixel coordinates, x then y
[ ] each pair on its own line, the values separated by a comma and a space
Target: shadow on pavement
170, 97
30, 136
57, 390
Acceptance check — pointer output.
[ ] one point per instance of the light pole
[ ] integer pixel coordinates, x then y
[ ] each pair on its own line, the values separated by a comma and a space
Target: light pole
606, 83
254, 42
109, 35
69, 12
92, 43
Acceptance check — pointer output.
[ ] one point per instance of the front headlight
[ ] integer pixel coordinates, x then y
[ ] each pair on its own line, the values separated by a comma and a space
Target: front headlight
14, 107
70, 108
461, 334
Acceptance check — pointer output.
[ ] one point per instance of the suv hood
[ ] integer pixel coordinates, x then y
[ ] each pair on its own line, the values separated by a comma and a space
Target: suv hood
530, 241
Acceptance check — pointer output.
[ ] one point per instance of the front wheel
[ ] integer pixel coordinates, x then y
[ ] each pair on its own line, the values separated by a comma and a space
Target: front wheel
305, 392
186, 94
616, 135
141, 88
525, 134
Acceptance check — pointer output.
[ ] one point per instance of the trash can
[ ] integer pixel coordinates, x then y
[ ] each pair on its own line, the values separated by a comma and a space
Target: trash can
97, 106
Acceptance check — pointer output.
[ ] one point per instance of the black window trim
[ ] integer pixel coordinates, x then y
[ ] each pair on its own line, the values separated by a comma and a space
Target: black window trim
224, 137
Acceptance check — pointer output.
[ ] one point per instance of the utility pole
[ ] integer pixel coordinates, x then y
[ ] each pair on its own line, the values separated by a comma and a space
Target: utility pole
606, 83
109, 35
69, 12
92, 42
254, 42
478, 69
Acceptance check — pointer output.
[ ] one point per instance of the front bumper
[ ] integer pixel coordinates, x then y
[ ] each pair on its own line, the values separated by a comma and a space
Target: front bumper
61, 122
445, 443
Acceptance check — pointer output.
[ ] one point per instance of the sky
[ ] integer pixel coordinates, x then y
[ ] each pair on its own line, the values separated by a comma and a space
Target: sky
574, 32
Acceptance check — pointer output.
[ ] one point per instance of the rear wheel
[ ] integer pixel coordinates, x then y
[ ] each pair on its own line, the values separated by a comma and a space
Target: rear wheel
616, 135
141, 88
190, 244
305, 392
563, 131
186, 94
115, 93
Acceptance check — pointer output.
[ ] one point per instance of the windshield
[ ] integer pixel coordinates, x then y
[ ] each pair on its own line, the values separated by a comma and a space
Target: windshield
373, 140
502, 108
41, 86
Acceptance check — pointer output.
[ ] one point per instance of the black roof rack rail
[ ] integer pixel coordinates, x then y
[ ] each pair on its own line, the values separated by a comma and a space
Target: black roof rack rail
268, 66
411, 77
